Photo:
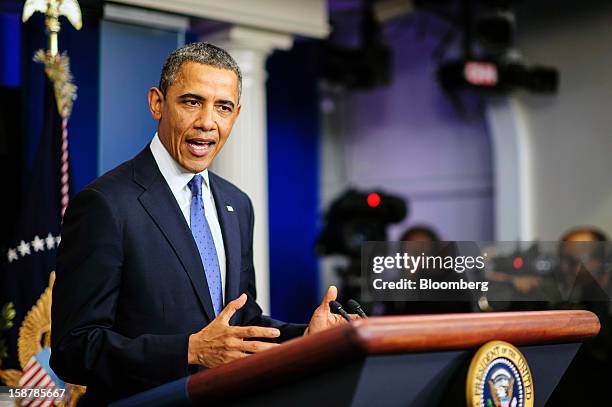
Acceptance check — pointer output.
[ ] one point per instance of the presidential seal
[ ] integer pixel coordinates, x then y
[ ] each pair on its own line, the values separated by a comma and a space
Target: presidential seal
499, 377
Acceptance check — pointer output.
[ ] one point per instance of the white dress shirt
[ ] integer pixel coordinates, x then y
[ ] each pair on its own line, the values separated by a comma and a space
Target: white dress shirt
177, 178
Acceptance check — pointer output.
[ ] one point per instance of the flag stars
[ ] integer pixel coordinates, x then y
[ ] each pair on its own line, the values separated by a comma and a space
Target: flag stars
38, 244
50, 240
24, 248
12, 255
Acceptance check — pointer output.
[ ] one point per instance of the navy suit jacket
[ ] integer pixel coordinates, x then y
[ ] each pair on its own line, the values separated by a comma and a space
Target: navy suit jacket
130, 284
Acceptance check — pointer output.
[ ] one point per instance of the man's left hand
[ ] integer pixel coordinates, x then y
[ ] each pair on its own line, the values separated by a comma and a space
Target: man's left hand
323, 318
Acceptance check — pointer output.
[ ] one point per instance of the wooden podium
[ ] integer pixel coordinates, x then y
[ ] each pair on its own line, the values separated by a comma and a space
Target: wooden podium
419, 360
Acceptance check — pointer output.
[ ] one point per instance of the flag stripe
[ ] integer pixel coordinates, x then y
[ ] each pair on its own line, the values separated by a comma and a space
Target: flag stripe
46, 382
41, 377
30, 363
36, 402
33, 401
29, 373
33, 382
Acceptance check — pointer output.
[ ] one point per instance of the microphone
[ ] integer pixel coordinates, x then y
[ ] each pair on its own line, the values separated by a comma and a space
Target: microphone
336, 308
356, 308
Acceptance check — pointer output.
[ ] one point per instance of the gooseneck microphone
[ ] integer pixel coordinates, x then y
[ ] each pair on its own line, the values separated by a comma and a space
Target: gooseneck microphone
355, 307
336, 308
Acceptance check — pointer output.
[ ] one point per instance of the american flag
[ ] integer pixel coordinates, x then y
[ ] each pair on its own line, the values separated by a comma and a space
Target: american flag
38, 375
30, 258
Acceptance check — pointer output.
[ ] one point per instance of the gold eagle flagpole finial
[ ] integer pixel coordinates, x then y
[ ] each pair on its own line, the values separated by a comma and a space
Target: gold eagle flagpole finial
53, 9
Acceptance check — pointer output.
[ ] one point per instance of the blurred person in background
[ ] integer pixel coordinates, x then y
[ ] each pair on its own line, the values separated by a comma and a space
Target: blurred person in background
586, 267
429, 302
577, 258
419, 234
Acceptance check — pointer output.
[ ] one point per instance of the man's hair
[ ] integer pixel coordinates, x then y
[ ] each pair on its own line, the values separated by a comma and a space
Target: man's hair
597, 234
202, 53
409, 234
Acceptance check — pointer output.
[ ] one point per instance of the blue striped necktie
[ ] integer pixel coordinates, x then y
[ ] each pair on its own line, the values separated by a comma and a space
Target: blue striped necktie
206, 245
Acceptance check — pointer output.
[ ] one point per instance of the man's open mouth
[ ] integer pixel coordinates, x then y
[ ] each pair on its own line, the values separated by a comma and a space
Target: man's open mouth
200, 147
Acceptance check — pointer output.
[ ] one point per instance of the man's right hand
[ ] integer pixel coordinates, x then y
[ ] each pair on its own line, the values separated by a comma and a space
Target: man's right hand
219, 343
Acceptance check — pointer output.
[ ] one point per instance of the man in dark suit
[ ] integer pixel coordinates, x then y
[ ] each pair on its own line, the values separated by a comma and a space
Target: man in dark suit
155, 274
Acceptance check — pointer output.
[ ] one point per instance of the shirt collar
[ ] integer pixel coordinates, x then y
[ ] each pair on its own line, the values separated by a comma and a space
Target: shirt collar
176, 176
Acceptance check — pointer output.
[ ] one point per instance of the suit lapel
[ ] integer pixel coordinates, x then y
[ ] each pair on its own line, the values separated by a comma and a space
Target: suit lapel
231, 239
160, 204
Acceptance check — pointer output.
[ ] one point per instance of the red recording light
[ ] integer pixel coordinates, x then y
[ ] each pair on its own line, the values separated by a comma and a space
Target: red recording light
517, 263
373, 200
480, 73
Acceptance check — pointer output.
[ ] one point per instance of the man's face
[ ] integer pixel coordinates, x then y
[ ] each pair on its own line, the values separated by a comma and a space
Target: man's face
197, 113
